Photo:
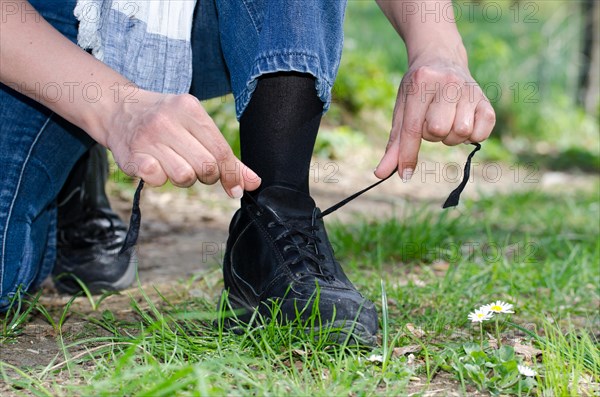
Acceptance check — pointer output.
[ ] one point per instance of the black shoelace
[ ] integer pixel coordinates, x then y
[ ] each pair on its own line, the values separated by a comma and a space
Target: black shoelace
306, 247
135, 221
451, 201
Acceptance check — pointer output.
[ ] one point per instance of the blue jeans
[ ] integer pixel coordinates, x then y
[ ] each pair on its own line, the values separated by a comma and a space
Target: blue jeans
38, 149
266, 36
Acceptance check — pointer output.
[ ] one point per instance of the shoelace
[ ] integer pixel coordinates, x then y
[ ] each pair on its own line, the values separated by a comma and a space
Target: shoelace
307, 248
451, 201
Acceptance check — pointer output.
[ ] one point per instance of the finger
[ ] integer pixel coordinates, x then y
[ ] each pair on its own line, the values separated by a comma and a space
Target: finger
178, 170
249, 177
438, 120
235, 176
485, 119
411, 133
229, 167
197, 156
184, 159
148, 168
462, 127
389, 161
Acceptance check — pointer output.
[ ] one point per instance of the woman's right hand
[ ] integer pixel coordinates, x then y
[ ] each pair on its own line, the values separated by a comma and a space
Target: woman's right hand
163, 136
153, 136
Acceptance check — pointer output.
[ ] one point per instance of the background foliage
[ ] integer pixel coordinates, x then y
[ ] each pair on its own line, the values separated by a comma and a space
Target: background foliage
526, 55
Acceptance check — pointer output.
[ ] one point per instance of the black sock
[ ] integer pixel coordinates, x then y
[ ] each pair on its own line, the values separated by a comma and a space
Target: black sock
279, 127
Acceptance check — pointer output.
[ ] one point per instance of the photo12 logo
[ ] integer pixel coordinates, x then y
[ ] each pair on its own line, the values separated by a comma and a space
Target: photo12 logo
490, 172
471, 11
73, 91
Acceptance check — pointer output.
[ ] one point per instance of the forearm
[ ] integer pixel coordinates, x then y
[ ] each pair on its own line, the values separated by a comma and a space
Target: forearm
153, 135
40, 62
426, 27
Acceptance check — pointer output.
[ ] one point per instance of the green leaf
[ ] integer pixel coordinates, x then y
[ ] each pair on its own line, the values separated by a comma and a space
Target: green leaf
472, 368
528, 383
480, 357
506, 353
471, 347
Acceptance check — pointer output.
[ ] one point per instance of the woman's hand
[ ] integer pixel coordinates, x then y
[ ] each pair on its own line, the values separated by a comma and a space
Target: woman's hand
438, 100
159, 136
153, 136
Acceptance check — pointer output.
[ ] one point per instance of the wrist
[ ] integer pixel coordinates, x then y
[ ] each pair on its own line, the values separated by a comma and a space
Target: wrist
99, 118
452, 51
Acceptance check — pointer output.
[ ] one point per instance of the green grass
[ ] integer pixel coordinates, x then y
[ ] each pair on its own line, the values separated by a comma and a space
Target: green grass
425, 269
536, 250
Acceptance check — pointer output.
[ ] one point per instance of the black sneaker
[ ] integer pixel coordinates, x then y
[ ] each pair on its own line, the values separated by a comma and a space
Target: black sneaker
278, 250
90, 234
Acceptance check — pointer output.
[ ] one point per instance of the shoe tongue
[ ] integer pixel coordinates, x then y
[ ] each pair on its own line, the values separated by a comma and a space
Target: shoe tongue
287, 202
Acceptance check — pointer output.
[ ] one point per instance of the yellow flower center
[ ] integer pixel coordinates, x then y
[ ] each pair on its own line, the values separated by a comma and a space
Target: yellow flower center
479, 315
496, 308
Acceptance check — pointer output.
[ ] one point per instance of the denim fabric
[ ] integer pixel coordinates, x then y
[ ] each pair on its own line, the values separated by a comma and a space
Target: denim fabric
37, 151
266, 36
210, 77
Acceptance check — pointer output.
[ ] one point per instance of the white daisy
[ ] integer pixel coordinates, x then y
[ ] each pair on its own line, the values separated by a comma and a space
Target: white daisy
525, 370
480, 315
499, 307
375, 358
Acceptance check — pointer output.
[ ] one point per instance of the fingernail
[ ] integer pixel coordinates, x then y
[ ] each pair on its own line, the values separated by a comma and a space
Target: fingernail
237, 192
407, 174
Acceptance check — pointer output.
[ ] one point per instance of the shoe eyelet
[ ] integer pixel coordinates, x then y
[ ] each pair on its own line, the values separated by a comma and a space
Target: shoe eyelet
287, 248
271, 224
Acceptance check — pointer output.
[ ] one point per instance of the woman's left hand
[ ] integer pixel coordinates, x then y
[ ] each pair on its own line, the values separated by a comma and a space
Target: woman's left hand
438, 100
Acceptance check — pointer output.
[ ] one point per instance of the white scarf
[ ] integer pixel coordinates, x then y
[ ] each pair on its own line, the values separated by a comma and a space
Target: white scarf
148, 41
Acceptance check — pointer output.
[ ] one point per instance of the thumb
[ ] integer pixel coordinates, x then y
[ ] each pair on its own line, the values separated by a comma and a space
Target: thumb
389, 161
251, 180
242, 179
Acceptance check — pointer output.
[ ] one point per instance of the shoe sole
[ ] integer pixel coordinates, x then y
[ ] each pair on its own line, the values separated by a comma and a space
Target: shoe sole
339, 332
99, 287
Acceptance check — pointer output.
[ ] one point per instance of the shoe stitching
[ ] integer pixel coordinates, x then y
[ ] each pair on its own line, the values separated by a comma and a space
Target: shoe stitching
238, 277
233, 271
254, 220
